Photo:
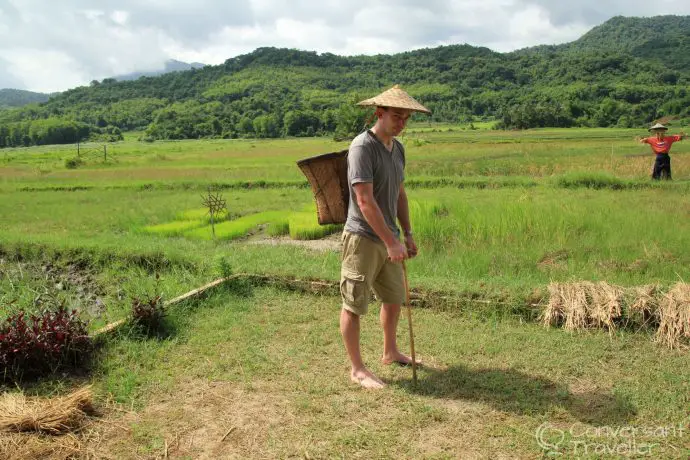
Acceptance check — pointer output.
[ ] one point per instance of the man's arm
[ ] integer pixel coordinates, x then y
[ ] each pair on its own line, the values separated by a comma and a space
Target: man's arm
404, 219
404, 211
364, 192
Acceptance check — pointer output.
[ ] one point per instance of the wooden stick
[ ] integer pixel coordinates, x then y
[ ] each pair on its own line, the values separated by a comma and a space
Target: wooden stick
228, 433
409, 321
109, 327
197, 291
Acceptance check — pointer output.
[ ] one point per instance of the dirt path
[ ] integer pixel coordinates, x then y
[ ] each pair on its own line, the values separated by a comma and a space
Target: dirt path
329, 243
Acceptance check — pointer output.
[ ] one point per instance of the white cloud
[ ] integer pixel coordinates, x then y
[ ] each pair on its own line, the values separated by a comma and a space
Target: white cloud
120, 17
532, 25
48, 46
32, 66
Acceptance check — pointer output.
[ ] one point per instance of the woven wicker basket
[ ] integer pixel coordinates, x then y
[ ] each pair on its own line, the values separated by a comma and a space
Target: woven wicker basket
327, 175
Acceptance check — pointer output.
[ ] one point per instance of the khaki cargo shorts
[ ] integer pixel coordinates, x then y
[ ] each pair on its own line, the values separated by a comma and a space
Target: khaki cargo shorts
365, 267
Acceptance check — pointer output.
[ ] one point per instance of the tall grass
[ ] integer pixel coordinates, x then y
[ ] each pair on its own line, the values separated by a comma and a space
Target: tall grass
530, 235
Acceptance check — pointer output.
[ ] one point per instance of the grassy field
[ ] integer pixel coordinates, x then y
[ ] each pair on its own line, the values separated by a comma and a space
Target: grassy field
455, 154
493, 211
497, 215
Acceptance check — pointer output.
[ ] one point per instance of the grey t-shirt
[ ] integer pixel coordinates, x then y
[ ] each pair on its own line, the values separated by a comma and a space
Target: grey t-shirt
368, 160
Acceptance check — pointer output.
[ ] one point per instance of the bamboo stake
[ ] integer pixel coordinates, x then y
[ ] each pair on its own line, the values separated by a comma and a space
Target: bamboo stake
409, 322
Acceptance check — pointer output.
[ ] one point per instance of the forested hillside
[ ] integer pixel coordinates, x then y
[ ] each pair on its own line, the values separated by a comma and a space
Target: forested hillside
20, 97
626, 72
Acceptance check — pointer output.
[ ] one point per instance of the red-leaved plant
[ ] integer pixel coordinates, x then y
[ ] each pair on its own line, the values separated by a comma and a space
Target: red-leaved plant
148, 313
38, 344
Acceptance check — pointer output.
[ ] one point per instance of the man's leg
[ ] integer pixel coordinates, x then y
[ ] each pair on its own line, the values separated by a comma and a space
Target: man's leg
390, 317
349, 328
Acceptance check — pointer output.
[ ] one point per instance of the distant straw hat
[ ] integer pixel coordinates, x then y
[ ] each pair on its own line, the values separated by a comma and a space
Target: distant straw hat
397, 98
659, 127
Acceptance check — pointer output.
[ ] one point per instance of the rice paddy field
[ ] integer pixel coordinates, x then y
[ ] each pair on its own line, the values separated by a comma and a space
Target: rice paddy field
259, 371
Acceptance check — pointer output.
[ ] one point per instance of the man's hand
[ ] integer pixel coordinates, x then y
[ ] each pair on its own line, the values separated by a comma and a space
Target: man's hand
397, 252
411, 246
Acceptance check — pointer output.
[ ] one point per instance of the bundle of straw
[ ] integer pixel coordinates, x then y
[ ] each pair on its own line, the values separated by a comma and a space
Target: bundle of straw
21, 446
582, 305
575, 305
644, 310
51, 416
674, 317
606, 305
553, 314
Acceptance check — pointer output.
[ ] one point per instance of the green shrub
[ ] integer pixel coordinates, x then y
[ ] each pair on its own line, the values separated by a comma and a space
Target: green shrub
73, 163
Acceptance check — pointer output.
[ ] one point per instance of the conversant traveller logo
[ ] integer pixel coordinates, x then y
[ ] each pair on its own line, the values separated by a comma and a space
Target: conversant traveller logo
628, 441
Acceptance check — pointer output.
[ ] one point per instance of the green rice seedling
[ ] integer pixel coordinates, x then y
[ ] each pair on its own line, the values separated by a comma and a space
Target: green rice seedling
176, 228
433, 223
279, 228
238, 228
202, 214
305, 226
310, 207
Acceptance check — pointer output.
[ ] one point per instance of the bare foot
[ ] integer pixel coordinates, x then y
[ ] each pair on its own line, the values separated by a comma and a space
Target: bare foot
398, 358
366, 379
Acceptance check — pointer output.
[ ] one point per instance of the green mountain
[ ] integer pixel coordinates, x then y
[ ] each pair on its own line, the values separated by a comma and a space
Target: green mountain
662, 39
20, 97
625, 72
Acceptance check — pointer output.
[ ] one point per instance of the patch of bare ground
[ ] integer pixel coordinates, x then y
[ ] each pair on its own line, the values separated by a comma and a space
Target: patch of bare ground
328, 243
223, 420
201, 420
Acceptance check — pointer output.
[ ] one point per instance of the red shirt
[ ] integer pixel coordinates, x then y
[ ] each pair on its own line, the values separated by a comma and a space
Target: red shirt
663, 145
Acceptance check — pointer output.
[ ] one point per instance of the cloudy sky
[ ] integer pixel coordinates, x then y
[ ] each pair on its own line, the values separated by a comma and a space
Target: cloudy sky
53, 45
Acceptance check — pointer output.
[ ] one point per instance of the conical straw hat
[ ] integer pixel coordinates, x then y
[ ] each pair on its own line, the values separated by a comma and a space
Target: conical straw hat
397, 98
658, 126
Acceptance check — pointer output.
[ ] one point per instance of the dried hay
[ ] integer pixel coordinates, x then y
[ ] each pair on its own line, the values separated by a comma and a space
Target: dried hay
605, 308
674, 318
583, 305
554, 314
22, 446
50, 416
644, 309
575, 305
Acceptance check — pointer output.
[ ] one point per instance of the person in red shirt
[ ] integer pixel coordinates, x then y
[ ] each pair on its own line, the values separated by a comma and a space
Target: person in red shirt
661, 145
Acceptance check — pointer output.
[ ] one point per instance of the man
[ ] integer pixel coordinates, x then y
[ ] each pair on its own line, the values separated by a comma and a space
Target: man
661, 145
372, 251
